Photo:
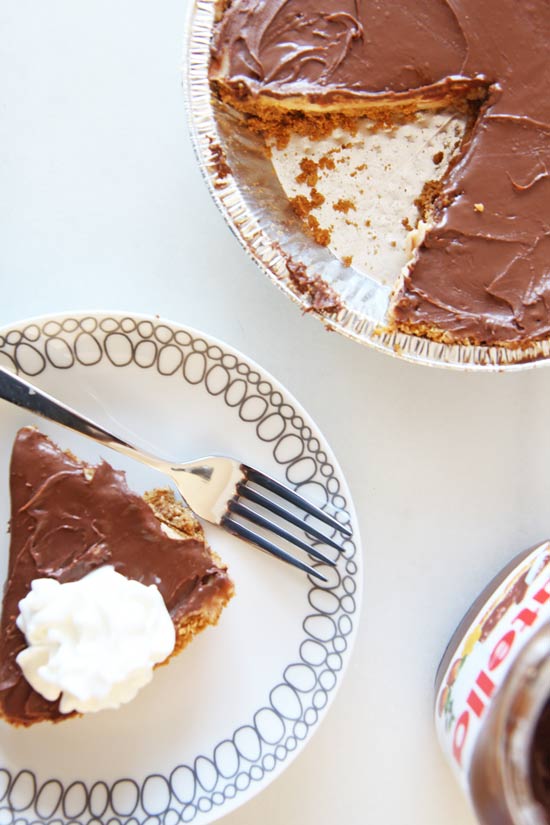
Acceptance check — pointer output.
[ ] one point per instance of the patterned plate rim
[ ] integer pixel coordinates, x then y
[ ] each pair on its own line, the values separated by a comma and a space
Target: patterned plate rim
266, 253
265, 745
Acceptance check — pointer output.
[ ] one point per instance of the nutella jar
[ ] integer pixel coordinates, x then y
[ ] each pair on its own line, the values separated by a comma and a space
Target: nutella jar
492, 706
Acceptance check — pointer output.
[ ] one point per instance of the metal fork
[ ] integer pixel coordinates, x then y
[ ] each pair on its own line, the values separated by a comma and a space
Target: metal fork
213, 487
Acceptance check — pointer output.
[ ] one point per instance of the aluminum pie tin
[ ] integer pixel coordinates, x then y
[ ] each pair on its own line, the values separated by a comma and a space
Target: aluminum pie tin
245, 187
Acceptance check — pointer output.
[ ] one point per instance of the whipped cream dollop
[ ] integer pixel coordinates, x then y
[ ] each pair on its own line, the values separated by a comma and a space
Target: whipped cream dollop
93, 643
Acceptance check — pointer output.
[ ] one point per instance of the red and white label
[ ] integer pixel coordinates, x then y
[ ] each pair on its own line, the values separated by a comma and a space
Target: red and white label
513, 614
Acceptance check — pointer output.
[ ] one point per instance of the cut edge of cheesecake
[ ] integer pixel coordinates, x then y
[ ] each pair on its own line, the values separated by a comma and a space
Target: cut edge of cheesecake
178, 521
316, 116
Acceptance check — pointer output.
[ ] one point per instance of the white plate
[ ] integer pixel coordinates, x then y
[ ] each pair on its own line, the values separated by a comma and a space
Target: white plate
228, 715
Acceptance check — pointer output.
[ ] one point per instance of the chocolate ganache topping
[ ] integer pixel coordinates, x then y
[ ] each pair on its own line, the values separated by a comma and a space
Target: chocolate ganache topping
482, 274
67, 519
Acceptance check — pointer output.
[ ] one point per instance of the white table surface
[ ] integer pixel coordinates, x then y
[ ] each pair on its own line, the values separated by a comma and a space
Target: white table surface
102, 206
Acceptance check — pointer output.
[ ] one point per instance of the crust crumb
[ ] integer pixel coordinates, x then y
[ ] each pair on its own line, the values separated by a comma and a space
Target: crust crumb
431, 192
316, 198
322, 296
321, 236
219, 160
344, 205
309, 173
302, 208
327, 162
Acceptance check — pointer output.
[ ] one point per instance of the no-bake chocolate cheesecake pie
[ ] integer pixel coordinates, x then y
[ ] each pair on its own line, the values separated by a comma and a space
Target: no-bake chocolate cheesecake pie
68, 519
480, 271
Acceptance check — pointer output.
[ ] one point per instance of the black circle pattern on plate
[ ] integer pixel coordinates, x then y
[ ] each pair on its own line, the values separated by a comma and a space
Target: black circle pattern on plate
293, 705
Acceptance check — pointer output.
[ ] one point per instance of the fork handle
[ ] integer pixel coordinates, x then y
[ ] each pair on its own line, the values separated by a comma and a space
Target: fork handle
19, 392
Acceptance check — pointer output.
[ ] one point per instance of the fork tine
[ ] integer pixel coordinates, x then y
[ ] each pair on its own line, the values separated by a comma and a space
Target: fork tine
248, 535
256, 518
279, 489
263, 501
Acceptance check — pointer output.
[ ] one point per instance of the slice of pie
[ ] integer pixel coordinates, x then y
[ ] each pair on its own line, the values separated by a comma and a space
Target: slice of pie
480, 272
69, 518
